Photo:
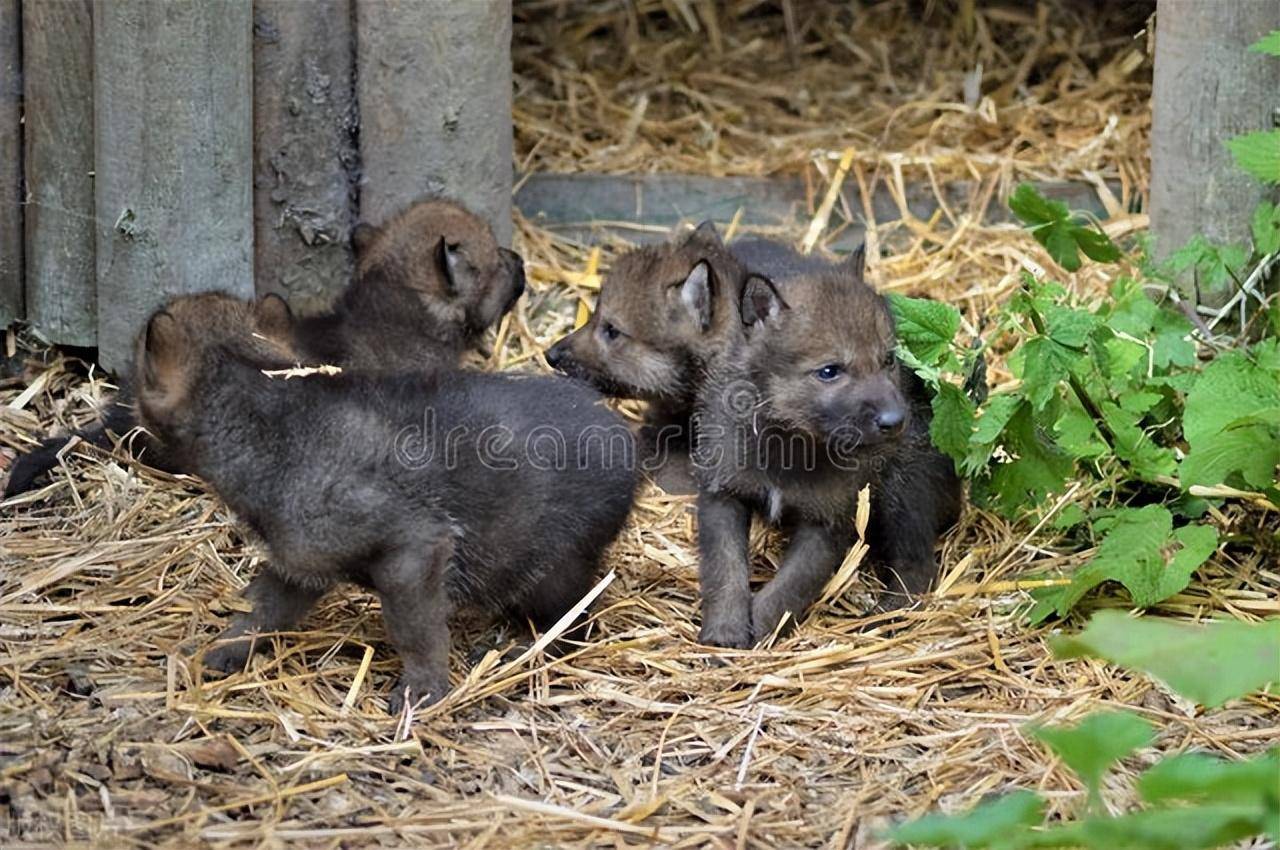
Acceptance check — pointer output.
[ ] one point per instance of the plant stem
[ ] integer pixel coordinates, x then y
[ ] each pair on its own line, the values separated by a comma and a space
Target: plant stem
1090, 407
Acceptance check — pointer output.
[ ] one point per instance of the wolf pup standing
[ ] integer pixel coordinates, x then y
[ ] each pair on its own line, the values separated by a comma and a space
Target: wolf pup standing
802, 409
428, 283
434, 489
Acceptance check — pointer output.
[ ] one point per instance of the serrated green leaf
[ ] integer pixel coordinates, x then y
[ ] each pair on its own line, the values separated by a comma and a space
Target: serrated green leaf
1141, 551
988, 427
1100, 740
993, 824
1068, 325
1266, 228
1195, 776
1193, 828
1077, 433
1096, 245
1045, 364
1033, 208
1258, 153
1148, 460
1268, 44
1059, 240
1207, 664
1172, 345
925, 327
952, 423
1037, 467
1230, 389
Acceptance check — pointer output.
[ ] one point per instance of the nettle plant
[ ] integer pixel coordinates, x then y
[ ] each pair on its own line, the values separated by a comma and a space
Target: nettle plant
1120, 400
1186, 801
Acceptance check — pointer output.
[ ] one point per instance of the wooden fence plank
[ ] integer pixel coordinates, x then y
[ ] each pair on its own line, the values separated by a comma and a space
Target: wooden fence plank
173, 156
304, 148
10, 162
57, 41
1207, 88
434, 85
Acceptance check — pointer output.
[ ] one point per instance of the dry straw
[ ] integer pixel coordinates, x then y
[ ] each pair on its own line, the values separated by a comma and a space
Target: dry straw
114, 578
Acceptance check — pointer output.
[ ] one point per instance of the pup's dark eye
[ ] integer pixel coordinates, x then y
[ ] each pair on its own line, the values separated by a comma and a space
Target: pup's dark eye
610, 331
829, 372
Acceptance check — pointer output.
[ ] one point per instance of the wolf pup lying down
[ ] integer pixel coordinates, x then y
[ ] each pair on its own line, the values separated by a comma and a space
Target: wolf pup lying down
805, 406
452, 488
428, 283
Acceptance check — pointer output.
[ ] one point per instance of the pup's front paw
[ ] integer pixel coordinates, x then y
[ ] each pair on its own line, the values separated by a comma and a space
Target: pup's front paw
734, 634
229, 657
422, 690
766, 614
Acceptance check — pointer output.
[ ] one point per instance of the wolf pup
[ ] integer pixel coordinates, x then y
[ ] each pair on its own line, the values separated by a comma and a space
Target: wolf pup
661, 313
428, 283
805, 406
452, 488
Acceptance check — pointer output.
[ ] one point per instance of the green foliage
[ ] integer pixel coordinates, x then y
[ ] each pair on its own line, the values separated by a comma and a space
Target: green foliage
1063, 235
1110, 394
1192, 800
1268, 44
1258, 153
1266, 228
1228, 659
1091, 748
1140, 550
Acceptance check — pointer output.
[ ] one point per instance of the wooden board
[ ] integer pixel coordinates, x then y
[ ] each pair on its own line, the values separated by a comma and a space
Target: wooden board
57, 42
173, 153
304, 148
434, 84
583, 205
1207, 88
10, 163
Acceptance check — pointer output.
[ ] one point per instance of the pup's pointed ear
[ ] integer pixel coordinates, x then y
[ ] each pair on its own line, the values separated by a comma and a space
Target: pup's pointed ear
162, 350
447, 263
760, 300
705, 233
856, 263
362, 236
695, 294
273, 317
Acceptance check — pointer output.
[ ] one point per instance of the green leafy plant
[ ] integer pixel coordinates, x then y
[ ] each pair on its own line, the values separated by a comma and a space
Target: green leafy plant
1259, 153
1189, 800
1110, 402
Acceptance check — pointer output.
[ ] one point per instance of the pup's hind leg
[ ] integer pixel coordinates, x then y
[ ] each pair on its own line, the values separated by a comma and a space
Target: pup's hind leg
555, 593
277, 605
415, 607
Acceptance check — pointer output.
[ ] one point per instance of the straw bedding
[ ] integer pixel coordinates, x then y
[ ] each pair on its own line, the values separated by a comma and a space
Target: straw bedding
114, 577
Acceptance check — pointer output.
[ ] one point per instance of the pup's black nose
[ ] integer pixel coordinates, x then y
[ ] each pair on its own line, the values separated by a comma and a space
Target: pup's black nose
555, 354
890, 418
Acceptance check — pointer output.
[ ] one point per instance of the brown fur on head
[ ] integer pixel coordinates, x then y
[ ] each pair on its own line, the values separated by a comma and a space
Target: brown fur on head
447, 257
185, 335
823, 358
663, 312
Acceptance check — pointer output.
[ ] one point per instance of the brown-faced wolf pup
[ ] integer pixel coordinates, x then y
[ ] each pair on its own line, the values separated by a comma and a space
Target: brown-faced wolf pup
662, 312
804, 406
435, 489
428, 282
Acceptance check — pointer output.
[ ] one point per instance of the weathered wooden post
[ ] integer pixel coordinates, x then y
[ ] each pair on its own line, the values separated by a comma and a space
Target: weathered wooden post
10, 163
1207, 88
173, 157
61, 288
304, 148
434, 85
